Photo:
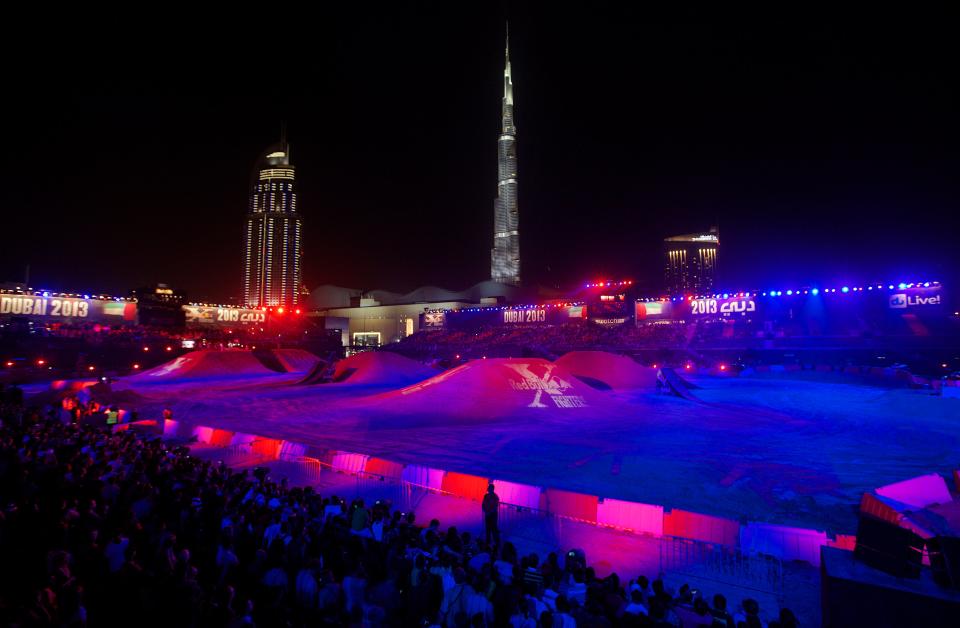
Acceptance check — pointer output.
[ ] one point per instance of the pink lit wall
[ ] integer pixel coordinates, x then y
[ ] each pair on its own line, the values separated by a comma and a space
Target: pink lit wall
348, 462
645, 518
518, 494
692, 525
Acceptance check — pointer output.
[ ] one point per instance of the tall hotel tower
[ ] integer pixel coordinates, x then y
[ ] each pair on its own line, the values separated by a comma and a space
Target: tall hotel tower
505, 256
271, 263
691, 262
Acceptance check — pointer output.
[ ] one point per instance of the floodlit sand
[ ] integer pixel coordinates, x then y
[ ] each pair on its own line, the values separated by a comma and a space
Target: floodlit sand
618, 372
790, 452
381, 368
204, 365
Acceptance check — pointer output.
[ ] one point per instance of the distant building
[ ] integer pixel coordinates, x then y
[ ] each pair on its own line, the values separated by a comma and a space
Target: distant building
272, 264
505, 255
160, 306
691, 262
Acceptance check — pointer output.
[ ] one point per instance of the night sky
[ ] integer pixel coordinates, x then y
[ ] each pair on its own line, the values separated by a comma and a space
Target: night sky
825, 146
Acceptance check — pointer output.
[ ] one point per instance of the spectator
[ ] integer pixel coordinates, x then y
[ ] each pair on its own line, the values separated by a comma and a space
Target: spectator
491, 512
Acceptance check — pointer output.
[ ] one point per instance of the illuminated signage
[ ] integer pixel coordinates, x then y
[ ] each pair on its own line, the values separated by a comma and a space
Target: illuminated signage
557, 389
524, 316
433, 319
916, 297
206, 315
64, 308
652, 310
609, 321
701, 307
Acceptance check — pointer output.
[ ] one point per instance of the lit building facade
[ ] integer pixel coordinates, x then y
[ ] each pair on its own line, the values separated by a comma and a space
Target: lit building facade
691, 262
272, 255
505, 255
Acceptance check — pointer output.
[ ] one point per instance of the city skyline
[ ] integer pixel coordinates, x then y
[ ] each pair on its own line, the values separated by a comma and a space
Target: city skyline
822, 152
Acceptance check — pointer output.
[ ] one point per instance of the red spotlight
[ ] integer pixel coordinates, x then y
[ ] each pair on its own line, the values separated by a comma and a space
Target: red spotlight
296, 311
41, 362
146, 348
9, 362
91, 367
688, 367
168, 348
279, 310
723, 367
136, 366
654, 366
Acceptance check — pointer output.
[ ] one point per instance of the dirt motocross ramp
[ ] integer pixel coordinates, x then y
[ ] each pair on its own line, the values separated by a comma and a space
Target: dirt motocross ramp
618, 372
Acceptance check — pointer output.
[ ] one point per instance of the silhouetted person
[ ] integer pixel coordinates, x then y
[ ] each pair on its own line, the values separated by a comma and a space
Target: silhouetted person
491, 511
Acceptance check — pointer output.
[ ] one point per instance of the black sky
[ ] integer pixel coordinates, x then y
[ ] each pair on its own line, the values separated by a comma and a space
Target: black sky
824, 145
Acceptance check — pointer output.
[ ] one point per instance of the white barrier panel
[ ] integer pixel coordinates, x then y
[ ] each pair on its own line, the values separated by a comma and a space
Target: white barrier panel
289, 451
518, 494
784, 542
170, 428
348, 462
918, 492
646, 518
239, 438
203, 434
423, 476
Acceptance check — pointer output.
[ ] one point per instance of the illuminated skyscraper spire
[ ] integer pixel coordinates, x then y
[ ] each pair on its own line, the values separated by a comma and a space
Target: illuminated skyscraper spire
271, 268
505, 256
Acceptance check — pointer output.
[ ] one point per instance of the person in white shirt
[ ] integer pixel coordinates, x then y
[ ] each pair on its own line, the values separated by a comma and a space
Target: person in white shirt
636, 606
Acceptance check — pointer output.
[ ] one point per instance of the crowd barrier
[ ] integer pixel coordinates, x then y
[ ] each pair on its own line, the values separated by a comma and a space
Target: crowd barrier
723, 563
523, 505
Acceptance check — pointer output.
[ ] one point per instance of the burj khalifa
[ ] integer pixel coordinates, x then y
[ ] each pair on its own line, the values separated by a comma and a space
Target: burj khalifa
505, 255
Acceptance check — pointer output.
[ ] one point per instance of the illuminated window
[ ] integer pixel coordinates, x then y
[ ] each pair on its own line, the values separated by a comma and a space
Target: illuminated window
366, 339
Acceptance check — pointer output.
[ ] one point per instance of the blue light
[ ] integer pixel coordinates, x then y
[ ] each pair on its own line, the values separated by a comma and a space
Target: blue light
45, 293
725, 295
902, 286
926, 284
764, 294
789, 293
844, 289
890, 287
815, 291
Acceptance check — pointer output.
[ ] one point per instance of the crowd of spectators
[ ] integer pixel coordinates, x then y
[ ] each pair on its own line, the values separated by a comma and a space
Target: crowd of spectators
103, 527
549, 341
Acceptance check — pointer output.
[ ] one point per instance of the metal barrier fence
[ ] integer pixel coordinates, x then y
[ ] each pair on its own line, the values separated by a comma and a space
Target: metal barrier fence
303, 469
532, 525
722, 563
